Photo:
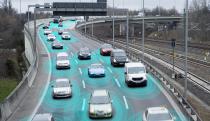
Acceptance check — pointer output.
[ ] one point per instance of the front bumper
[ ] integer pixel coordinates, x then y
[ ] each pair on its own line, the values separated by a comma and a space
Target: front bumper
84, 57
118, 63
57, 47
62, 66
96, 75
100, 115
62, 95
66, 38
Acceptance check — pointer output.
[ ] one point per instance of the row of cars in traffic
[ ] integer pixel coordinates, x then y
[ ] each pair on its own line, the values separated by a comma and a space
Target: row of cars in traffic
100, 102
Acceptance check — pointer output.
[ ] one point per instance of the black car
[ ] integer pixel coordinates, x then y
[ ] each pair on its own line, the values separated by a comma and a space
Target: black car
45, 26
84, 53
60, 31
56, 20
118, 57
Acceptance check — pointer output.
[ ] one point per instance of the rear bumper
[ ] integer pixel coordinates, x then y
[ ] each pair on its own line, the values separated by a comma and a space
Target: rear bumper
98, 116
62, 96
62, 67
84, 57
136, 83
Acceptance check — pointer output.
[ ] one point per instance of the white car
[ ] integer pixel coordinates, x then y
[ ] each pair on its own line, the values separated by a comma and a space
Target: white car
51, 37
47, 31
57, 45
65, 36
62, 61
62, 88
43, 117
135, 74
157, 114
100, 105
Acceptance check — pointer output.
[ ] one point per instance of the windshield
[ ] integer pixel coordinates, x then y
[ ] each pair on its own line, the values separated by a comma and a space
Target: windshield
84, 51
100, 100
120, 54
62, 84
159, 117
62, 58
96, 66
107, 46
136, 70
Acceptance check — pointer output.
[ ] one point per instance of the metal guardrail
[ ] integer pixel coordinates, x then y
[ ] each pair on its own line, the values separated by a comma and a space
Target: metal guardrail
192, 114
9, 105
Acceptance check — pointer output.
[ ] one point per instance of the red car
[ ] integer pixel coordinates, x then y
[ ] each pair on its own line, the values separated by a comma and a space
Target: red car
106, 49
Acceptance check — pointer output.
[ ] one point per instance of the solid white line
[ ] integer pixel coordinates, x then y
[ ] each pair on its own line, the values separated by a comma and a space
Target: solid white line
48, 82
110, 70
83, 104
83, 83
125, 101
76, 61
118, 83
80, 71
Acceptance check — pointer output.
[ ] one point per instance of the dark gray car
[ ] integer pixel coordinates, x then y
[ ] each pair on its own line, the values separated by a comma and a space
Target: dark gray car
118, 57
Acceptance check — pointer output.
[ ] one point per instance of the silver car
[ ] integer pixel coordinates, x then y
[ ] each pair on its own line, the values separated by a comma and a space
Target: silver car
62, 88
51, 37
62, 61
57, 45
65, 36
43, 117
100, 105
96, 70
47, 31
157, 114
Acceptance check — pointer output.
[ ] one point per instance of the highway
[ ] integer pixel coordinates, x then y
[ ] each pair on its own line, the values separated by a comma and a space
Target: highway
128, 103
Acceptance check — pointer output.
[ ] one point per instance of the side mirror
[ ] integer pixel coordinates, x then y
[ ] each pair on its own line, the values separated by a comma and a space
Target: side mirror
125, 72
52, 86
70, 85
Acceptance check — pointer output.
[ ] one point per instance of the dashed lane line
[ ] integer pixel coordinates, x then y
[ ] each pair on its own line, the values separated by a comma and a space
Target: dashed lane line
126, 103
118, 83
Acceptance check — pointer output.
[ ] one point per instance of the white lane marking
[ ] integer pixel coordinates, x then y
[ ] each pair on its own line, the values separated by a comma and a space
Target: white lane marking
80, 71
101, 60
48, 81
118, 83
76, 61
83, 104
72, 54
110, 70
126, 103
83, 83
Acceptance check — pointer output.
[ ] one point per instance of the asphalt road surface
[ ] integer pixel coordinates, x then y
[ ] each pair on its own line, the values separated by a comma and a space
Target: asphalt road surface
128, 103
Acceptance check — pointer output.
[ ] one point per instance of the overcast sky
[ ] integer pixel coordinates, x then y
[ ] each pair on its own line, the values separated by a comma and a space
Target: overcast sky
131, 4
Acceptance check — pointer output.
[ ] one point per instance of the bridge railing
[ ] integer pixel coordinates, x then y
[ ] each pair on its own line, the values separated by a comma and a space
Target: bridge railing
166, 83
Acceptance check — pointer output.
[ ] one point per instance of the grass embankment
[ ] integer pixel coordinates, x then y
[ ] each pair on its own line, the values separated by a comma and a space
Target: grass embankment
6, 87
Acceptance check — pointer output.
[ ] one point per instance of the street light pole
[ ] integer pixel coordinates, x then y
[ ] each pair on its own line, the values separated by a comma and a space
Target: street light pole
35, 28
28, 18
85, 25
113, 32
92, 27
127, 31
143, 31
186, 49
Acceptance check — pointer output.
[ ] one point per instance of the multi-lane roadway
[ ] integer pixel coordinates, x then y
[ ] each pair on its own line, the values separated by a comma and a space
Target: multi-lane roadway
128, 103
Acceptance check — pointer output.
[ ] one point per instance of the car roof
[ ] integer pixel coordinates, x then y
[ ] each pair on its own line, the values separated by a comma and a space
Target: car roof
84, 48
42, 117
134, 64
100, 93
157, 110
62, 80
96, 64
62, 54
117, 50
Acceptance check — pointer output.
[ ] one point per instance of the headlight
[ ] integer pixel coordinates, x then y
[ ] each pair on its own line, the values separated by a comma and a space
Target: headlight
127, 60
115, 60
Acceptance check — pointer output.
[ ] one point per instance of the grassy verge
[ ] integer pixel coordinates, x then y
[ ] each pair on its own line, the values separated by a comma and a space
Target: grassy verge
6, 87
